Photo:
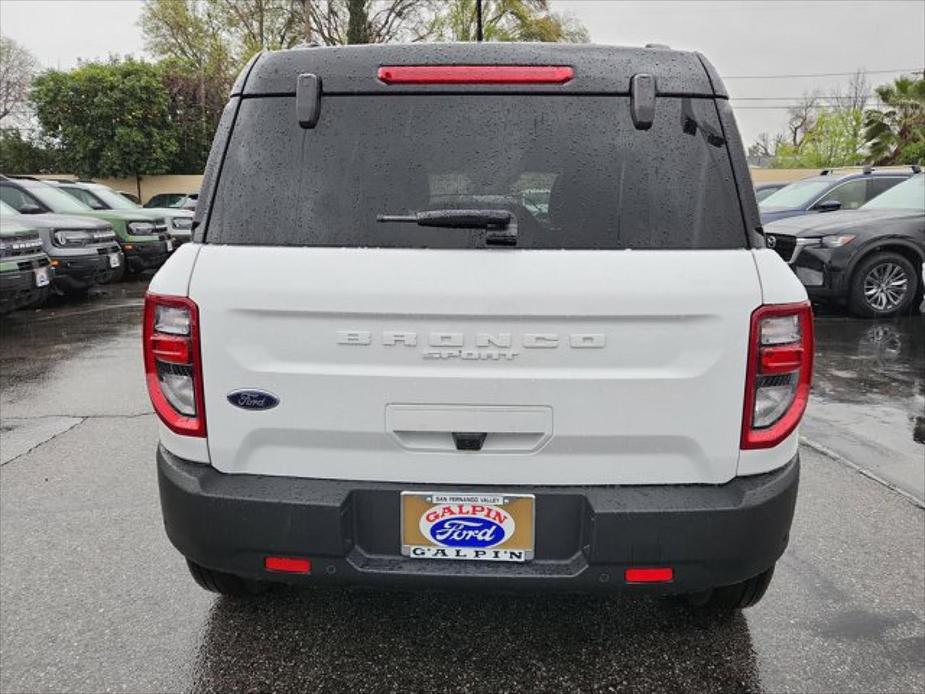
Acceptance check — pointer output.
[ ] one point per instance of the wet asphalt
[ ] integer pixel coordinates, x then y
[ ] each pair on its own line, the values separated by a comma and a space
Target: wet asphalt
93, 598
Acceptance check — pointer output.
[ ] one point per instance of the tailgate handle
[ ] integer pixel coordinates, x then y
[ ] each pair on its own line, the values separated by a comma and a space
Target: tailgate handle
469, 441
491, 429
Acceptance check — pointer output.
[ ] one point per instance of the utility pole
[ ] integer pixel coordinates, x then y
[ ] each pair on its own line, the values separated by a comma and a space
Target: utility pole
478, 20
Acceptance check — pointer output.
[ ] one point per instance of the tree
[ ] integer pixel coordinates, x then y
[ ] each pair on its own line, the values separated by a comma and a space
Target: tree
801, 118
507, 20
109, 119
338, 22
895, 133
765, 147
17, 67
27, 155
834, 140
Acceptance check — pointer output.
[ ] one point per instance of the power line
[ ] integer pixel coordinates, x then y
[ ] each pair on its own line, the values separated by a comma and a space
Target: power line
821, 74
800, 99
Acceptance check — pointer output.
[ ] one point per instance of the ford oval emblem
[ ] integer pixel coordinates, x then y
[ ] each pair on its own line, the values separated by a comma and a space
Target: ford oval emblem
467, 525
253, 399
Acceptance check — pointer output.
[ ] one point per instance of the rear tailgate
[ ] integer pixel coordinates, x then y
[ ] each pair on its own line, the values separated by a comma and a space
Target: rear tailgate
582, 367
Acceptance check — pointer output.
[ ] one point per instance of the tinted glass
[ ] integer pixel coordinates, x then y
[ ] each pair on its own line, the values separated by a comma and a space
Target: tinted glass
55, 199
16, 197
113, 200
85, 197
762, 193
7, 211
573, 170
880, 184
851, 194
796, 195
909, 195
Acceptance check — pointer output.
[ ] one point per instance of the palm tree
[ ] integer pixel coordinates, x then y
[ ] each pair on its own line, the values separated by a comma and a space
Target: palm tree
507, 20
896, 133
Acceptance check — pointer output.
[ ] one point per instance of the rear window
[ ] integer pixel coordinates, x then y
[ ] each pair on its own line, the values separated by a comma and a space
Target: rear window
573, 170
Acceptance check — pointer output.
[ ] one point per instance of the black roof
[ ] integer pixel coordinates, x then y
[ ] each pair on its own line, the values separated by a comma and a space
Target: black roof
598, 69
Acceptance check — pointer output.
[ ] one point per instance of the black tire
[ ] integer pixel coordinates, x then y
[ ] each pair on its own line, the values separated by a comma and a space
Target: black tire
865, 278
735, 597
224, 584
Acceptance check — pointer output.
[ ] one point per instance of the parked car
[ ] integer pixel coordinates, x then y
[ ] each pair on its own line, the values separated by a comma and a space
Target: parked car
165, 200
867, 259
100, 197
145, 242
763, 190
828, 192
82, 251
25, 271
189, 202
131, 196
357, 381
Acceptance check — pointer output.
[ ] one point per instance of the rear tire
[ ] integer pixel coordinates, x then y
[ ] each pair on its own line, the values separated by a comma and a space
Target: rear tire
874, 292
735, 597
224, 584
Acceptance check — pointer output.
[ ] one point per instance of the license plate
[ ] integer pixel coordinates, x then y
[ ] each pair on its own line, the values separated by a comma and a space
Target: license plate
41, 277
169, 245
475, 527
113, 260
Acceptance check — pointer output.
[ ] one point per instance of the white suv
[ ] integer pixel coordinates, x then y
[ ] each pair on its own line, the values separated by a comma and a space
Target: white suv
375, 364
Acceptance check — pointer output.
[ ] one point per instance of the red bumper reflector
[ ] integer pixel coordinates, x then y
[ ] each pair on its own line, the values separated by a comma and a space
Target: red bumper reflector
649, 575
289, 565
780, 360
475, 74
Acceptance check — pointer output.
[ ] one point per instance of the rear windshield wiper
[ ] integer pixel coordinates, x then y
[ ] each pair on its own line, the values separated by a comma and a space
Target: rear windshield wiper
498, 223
455, 219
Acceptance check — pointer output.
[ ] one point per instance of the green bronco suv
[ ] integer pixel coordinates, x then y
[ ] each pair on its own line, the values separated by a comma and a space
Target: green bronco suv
144, 240
25, 275
100, 197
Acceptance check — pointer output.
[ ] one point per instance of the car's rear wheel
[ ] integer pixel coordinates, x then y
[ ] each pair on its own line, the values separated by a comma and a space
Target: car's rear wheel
883, 285
223, 583
735, 597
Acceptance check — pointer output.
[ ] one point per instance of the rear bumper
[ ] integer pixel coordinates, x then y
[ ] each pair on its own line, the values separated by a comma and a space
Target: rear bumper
585, 536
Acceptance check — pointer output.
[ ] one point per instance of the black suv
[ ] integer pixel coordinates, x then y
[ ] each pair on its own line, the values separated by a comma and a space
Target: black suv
870, 259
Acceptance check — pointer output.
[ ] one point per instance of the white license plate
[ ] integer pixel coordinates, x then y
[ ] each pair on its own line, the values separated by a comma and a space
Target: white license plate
169, 245
41, 277
113, 260
480, 527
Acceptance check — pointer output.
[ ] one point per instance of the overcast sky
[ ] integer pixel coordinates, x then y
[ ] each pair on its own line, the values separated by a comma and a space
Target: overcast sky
740, 38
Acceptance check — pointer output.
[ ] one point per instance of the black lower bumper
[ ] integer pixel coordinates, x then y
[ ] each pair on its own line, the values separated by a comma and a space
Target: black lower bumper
586, 537
819, 272
76, 273
18, 290
145, 256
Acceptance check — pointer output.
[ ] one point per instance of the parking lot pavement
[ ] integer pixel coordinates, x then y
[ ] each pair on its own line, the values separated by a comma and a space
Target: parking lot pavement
95, 599
868, 403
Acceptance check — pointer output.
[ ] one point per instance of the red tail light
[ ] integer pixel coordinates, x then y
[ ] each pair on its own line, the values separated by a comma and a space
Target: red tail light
475, 74
779, 375
173, 364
